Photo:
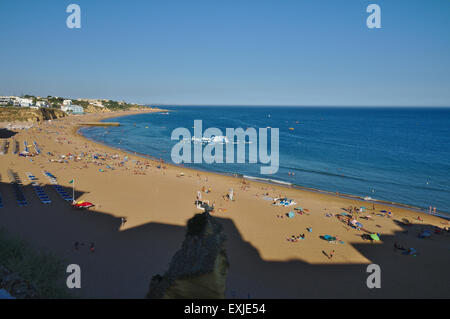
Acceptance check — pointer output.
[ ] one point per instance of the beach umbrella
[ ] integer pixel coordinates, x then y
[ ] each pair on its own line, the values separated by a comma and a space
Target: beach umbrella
291, 214
84, 205
359, 225
374, 237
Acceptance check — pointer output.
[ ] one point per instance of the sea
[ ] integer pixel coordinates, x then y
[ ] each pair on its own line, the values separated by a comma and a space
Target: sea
395, 154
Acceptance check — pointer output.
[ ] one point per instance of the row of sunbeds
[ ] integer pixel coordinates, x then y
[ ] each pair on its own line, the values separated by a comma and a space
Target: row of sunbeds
4, 147
1, 200
39, 190
18, 188
15, 147
43, 197
59, 189
36, 148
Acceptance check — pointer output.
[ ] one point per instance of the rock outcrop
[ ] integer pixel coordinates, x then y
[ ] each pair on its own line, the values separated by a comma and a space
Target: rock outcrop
15, 285
25, 114
96, 109
199, 269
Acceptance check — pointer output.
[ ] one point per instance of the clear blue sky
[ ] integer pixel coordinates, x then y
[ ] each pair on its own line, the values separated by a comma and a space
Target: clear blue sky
229, 52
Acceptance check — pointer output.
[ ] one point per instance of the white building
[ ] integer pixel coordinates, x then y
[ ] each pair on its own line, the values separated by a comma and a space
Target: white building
42, 104
6, 100
95, 102
74, 109
22, 102
67, 102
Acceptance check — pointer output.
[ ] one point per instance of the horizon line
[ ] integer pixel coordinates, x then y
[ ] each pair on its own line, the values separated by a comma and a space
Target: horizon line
309, 106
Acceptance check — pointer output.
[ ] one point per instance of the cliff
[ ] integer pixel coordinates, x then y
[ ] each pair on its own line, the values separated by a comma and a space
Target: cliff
15, 285
96, 109
199, 269
25, 114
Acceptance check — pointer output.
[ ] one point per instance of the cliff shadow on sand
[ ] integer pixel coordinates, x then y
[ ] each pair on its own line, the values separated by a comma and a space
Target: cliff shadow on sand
124, 260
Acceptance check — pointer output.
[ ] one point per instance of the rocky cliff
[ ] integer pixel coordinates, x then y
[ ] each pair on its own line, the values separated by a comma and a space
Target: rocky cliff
96, 109
25, 114
15, 285
199, 269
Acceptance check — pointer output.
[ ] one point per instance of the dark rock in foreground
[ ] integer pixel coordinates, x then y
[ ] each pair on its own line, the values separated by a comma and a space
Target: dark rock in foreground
15, 285
199, 269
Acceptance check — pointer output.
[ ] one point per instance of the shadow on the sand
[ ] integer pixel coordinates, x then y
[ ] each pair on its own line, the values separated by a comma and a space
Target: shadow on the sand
5, 133
125, 260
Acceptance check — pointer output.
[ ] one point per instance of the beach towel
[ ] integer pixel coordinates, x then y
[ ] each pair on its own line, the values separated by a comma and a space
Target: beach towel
329, 238
425, 234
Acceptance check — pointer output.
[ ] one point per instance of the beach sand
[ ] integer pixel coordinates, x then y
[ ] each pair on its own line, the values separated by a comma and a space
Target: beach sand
157, 202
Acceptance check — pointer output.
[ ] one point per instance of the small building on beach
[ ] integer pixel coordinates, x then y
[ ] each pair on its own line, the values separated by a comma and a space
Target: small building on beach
72, 109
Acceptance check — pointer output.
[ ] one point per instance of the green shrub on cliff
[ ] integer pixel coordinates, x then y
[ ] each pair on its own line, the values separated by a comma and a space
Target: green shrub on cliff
45, 271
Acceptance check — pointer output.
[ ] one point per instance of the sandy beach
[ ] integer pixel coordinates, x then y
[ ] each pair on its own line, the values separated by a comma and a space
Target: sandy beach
157, 199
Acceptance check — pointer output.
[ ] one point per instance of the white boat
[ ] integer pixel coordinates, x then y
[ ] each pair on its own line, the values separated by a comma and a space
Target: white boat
212, 140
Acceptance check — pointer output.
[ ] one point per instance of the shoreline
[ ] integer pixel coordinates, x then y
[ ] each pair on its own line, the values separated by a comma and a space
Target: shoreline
268, 181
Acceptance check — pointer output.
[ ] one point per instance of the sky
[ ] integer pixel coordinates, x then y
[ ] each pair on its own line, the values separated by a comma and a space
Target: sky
229, 52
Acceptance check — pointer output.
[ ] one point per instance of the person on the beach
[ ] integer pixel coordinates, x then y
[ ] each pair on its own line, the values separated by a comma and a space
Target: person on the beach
331, 254
76, 245
123, 220
92, 248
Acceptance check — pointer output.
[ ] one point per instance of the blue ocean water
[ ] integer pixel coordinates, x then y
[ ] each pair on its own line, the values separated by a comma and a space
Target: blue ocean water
394, 154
